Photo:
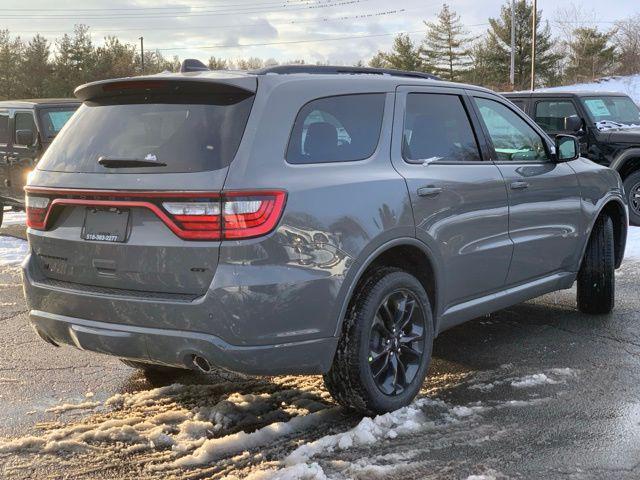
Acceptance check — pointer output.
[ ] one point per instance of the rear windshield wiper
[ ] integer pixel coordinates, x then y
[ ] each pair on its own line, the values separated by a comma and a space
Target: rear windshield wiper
129, 162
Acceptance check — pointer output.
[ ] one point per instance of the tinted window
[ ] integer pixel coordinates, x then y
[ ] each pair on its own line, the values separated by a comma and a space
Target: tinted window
512, 137
518, 103
203, 133
551, 114
337, 129
4, 127
54, 118
436, 127
24, 121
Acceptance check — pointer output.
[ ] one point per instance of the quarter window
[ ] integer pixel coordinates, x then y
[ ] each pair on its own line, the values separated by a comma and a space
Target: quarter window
24, 121
344, 128
512, 138
436, 127
551, 115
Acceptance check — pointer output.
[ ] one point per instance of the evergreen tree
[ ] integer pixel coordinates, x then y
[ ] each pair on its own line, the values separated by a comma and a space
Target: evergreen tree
114, 59
590, 55
446, 45
35, 68
495, 50
405, 55
217, 64
10, 66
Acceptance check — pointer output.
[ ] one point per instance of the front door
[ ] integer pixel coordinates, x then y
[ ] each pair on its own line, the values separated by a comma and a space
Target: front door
545, 216
459, 199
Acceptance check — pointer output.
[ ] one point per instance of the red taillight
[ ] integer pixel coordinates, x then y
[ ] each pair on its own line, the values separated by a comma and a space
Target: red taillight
190, 215
37, 209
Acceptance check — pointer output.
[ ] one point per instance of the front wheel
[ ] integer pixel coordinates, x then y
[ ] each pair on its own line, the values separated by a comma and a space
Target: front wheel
385, 348
632, 190
596, 278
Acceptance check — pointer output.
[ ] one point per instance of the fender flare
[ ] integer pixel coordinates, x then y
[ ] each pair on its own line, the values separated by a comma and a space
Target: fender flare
623, 157
351, 280
624, 222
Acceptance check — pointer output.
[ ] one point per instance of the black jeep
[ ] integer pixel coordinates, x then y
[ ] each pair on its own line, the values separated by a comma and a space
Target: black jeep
27, 127
607, 125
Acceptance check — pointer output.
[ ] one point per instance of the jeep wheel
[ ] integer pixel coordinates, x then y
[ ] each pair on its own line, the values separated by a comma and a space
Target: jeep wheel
385, 348
596, 278
632, 189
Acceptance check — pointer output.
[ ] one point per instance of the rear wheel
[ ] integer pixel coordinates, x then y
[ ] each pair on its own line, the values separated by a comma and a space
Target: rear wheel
596, 278
632, 189
385, 348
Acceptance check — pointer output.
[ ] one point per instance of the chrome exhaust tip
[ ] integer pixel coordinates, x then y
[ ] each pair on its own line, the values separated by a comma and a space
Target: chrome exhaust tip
201, 364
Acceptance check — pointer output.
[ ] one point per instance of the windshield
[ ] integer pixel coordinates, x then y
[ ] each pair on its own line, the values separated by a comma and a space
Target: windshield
610, 111
52, 119
182, 134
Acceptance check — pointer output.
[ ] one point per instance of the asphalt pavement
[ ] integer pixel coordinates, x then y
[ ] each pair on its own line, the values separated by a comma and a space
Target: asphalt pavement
535, 391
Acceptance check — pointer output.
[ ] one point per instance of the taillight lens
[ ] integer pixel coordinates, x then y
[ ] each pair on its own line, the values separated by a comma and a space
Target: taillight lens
36, 211
237, 215
190, 215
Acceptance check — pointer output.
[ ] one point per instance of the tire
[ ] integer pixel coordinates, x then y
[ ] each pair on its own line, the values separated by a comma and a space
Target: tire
631, 188
351, 379
596, 278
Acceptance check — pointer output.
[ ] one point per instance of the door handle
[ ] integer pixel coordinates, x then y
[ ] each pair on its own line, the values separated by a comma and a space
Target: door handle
429, 191
519, 185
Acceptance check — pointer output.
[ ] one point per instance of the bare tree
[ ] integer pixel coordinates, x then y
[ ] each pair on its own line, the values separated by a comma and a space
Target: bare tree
626, 37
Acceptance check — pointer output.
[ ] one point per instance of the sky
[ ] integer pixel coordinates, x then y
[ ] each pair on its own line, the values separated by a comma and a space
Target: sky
335, 31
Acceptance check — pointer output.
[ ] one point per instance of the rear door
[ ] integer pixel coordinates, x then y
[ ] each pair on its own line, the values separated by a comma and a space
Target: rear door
5, 152
544, 197
23, 157
459, 199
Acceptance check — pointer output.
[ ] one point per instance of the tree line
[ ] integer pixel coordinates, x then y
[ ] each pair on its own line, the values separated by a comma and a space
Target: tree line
40, 68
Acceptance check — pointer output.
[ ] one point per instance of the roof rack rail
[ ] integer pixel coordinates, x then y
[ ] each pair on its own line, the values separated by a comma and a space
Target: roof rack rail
193, 65
328, 69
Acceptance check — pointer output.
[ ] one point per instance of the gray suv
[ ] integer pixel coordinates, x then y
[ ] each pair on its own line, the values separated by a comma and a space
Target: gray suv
306, 220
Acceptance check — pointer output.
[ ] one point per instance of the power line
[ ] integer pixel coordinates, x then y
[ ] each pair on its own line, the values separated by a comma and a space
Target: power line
286, 42
363, 16
203, 13
108, 9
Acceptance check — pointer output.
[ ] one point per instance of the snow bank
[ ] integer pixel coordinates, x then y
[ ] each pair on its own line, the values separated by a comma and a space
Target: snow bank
12, 250
633, 244
14, 218
629, 85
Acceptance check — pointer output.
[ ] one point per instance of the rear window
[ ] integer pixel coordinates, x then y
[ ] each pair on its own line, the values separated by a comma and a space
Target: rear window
343, 128
190, 133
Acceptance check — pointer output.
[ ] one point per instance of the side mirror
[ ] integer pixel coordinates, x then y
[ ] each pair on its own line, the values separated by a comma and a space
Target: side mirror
572, 123
567, 148
25, 137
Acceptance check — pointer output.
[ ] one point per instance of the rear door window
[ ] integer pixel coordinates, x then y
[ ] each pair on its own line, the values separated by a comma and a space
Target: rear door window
343, 128
437, 127
551, 114
190, 133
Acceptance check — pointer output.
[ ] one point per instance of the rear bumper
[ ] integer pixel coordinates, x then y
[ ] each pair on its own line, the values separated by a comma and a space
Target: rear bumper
177, 348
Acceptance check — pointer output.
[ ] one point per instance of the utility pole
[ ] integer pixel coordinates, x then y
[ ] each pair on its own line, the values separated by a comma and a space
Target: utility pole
533, 45
142, 55
512, 70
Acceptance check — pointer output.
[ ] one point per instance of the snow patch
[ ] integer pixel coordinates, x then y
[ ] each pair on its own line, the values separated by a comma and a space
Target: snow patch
14, 218
66, 407
12, 250
533, 381
632, 250
629, 85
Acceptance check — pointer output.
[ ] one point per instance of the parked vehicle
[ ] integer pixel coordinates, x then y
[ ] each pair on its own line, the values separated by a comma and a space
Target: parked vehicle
27, 127
607, 126
305, 220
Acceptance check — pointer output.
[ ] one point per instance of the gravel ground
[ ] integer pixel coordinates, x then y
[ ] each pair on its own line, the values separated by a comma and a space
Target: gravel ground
535, 391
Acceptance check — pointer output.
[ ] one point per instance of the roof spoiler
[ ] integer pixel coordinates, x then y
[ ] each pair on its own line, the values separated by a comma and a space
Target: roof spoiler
169, 84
